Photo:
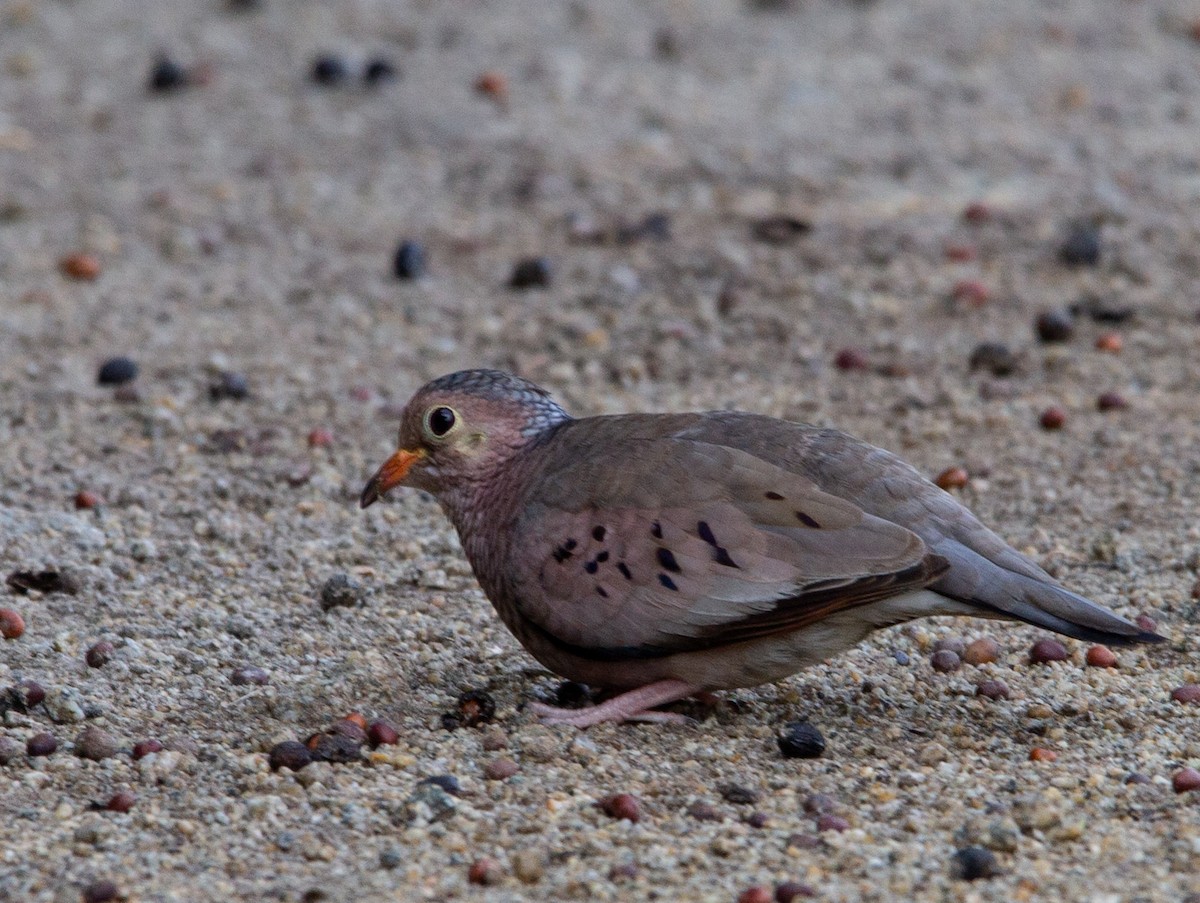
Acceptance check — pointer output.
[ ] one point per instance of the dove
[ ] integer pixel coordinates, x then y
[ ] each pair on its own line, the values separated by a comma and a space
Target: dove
661, 556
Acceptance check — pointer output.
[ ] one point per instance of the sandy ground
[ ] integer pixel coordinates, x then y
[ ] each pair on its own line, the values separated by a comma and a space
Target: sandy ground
247, 225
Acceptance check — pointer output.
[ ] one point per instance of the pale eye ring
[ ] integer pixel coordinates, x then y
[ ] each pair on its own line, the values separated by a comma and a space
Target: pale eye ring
440, 421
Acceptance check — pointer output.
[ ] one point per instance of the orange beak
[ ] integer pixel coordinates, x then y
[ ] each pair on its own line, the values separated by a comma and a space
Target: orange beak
392, 473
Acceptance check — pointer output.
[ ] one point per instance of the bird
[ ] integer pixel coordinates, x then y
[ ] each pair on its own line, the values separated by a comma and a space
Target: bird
664, 556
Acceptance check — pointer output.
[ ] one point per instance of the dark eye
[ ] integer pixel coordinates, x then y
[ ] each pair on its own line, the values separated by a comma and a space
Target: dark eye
441, 421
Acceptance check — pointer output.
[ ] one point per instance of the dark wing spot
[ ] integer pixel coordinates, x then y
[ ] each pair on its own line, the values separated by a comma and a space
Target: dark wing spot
667, 559
720, 556
602, 591
807, 521
598, 533
570, 545
624, 569
667, 582
591, 567
561, 554
656, 530
706, 532
773, 496
602, 557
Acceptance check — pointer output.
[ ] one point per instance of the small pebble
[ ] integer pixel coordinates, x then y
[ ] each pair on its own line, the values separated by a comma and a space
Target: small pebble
320, 437
1053, 418
485, 871
952, 478
1137, 778
329, 70
409, 260
500, 769
1055, 325
819, 803
977, 212
492, 84
787, 891
100, 892
1081, 247
954, 644
1111, 401
529, 866
475, 707
622, 806
1110, 342
249, 676
1101, 657
851, 359
95, 743
336, 748
992, 689
973, 863
757, 819
739, 794
532, 272
166, 75
117, 371
100, 654
945, 661
340, 590
447, 782
391, 858
971, 292
1186, 780
82, 267
958, 252
85, 500
982, 651
1041, 754
623, 872
350, 728
1048, 650
144, 748
378, 71
756, 894
289, 754
382, 733
779, 229
12, 625
229, 385
42, 744
800, 740
1187, 693
994, 357
9, 750
121, 801
702, 811
831, 822
1146, 622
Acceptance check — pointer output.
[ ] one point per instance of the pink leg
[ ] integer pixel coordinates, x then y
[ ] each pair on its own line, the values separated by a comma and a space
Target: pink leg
636, 705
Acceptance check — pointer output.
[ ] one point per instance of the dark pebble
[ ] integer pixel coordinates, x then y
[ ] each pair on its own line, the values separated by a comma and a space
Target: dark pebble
100, 892
86, 500
229, 385
100, 654
819, 803
340, 590
144, 748
447, 782
249, 676
21, 582
779, 230
831, 822
336, 748
994, 357
702, 811
475, 707
1111, 401
757, 819
622, 806
116, 371
787, 891
382, 733
1081, 247
121, 801
1136, 777
652, 227
1102, 310
973, 863
1053, 418
532, 272
852, 359
485, 871
23, 697
1048, 650
1186, 780
901, 657
349, 727
289, 754
800, 740
1055, 325
803, 841
951, 644
739, 794
329, 70
500, 769
42, 744
166, 75
95, 743
378, 72
756, 894
409, 260
571, 694
1187, 693
391, 858
945, 662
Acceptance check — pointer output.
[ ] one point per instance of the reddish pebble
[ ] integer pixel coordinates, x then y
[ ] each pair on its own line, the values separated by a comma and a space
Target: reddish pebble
831, 822
1041, 754
960, 253
85, 500
361, 393
982, 651
992, 689
349, 727
972, 292
1110, 342
289, 754
1146, 622
1101, 657
12, 625
977, 212
1044, 651
42, 744
144, 748
121, 801
622, 805
28, 693
1053, 418
100, 654
945, 661
755, 894
492, 84
1111, 401
320, 438
381, 733
357, 718
100, 892
1185, 780
788, 891
852, 359
85, 267
486, 871
501, 770
1186, 693
952, 478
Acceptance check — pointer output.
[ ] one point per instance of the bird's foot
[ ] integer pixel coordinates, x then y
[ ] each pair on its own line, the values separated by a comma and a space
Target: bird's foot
635, 705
